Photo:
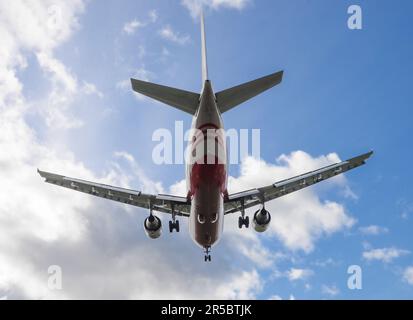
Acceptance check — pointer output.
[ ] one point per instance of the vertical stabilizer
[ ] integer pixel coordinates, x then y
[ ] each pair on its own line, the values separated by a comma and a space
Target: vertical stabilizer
204, 50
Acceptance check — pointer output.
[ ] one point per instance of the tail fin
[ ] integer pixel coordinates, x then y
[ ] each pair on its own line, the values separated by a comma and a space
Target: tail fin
232, 97
180, 99
204, 50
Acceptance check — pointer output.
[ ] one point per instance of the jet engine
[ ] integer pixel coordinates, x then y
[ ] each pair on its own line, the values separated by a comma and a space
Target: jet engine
153, 227
261, 220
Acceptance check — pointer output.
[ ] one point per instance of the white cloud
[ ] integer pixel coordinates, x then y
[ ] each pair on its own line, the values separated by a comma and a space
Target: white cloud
373, 230
301, 218
330, 290
39, 28
384, 254
169, 34
130, 27
141, 74
194, 6
91, 89
243, 286
408, 275
275, 297
153, 16
295, 274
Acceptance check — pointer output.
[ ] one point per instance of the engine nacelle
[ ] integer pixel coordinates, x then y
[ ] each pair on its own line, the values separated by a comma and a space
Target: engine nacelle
261, 220
153, 227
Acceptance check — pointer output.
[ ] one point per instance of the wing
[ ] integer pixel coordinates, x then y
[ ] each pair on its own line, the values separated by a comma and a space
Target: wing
281, 188
159, 202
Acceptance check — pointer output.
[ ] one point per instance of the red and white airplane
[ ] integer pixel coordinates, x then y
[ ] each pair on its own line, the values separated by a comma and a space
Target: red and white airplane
207, 200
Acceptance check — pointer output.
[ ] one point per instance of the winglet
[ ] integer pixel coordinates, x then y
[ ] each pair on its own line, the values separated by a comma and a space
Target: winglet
361, 158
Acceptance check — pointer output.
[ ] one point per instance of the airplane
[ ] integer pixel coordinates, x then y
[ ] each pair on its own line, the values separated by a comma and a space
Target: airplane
207, 201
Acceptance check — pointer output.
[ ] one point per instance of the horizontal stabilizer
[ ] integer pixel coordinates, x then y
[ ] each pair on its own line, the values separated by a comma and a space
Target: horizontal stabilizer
180, 99
232, 97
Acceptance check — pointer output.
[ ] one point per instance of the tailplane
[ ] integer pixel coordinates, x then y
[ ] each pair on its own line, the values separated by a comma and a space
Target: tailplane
232, 97
180, 99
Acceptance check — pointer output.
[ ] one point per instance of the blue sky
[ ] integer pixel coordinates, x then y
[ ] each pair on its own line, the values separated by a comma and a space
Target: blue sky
344, 91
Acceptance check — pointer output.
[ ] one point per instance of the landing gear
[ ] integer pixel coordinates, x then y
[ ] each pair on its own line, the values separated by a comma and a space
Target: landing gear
207, 254
243, 220
173, 224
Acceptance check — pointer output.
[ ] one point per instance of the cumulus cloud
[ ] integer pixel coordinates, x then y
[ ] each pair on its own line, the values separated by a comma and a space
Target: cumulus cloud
330, 290
91, 89
171, 35
153, 16
130, 27
295, 274
373, 230
39, 29
384, 254
408, 275
194, 6
298, 219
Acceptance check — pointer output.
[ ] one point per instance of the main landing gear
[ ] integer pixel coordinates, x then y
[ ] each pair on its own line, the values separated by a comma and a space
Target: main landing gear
173, 224
207, 254
243, 220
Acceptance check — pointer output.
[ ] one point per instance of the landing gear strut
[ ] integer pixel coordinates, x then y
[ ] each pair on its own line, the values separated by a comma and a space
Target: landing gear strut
207, 254
243, 220
173, 224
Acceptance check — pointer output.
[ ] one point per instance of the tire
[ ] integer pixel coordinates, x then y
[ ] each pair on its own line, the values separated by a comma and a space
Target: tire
247, 222
240, 222
177, 225
171, 227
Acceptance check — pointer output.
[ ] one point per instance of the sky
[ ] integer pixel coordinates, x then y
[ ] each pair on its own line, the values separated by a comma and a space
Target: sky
66, 106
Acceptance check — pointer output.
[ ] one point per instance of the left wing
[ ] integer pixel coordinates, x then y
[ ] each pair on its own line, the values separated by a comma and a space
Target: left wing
281, 188
159, 202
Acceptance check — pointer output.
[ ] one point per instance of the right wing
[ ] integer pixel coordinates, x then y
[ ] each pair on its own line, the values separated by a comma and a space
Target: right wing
281, 188
160, 202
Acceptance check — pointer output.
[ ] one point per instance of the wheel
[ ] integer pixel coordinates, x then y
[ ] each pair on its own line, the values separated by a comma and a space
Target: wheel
207, 257
171, 226
177, 225
247, 222
240, 222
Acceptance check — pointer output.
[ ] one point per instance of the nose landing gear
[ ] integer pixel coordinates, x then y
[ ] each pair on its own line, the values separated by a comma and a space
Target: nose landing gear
173, 224
207, 254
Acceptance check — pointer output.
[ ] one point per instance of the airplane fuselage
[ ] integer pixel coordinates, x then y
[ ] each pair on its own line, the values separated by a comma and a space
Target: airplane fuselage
206, 171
